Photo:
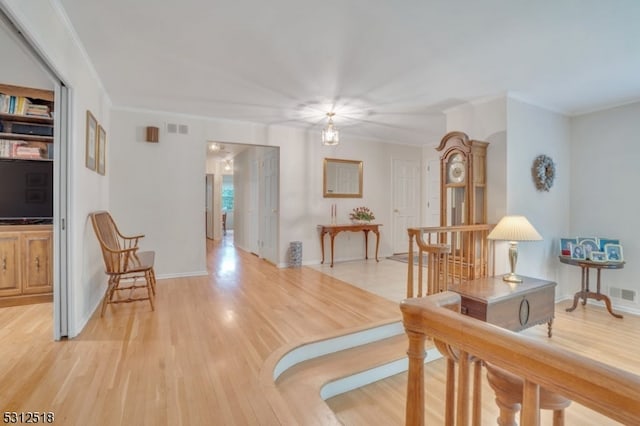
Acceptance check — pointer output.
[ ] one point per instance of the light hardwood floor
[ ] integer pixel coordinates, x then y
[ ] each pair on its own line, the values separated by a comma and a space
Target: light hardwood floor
197, 359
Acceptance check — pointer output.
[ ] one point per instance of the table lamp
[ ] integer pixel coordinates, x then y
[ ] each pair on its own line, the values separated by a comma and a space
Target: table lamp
514, 229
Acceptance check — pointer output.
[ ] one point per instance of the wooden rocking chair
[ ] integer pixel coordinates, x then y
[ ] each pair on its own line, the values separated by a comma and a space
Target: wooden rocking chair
124, 264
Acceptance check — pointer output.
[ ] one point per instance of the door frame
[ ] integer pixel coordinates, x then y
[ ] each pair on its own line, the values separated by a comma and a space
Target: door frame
61, 182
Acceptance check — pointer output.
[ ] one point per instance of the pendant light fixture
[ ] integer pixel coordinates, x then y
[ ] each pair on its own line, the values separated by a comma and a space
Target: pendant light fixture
330, 135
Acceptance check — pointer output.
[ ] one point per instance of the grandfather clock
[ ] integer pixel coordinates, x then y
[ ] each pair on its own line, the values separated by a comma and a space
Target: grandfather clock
463, 180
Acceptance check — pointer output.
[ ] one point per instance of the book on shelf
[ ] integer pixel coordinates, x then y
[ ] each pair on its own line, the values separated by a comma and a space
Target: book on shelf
25, 150
38, 111
21, 105
28, 152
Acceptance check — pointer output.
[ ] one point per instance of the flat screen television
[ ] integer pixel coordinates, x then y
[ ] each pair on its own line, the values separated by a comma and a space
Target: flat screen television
26, 191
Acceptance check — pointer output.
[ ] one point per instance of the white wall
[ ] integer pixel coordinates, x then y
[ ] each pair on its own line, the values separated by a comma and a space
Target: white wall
532, 131
158, 189
487, 121
19, 67
517, 133
172, 171
45, 26
605, 148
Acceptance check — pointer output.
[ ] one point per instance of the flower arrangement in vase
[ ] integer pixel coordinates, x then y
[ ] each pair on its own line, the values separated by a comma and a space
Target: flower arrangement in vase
361, 215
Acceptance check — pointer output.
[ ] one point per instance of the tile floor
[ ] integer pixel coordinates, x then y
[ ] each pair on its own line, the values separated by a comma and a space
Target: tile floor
387, 278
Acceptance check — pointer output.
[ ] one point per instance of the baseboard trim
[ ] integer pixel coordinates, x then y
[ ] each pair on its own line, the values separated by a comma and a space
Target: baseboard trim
363, 378
334, 344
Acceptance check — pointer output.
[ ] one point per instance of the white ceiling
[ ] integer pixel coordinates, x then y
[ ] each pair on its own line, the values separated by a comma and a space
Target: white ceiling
387, 68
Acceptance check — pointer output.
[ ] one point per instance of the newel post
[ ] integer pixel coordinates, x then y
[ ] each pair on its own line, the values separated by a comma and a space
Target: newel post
414, 415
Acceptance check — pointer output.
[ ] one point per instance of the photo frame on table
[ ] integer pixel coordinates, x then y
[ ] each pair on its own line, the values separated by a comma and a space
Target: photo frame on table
577, 252
102, 150
590, 242
91, 141
614, 253
598, 256
566, 245
604, 241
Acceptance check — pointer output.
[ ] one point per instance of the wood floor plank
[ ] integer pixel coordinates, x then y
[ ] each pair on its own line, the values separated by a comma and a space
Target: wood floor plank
198, 359
590, 331
195, 360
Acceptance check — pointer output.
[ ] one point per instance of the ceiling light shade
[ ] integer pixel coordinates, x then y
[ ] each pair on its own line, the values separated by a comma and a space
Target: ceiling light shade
215, 147
330, 135
227, 165
514, 229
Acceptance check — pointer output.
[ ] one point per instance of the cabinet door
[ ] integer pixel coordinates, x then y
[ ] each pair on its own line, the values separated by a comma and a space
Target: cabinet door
37, 272
10, 264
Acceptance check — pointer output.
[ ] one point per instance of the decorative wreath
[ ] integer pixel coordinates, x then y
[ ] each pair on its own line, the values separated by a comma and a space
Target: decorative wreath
543, 171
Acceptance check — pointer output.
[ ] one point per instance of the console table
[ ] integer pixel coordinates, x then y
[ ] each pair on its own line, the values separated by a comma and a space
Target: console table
508, 305
584, 292
334, 230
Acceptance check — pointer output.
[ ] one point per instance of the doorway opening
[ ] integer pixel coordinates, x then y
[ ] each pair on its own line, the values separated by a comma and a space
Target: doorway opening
244, 184
227, 205
25, 66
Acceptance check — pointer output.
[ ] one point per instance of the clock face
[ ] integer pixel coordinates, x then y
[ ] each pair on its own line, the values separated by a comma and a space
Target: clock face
456, 172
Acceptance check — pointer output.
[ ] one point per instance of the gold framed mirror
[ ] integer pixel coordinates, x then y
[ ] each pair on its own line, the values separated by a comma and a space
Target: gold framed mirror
342, 178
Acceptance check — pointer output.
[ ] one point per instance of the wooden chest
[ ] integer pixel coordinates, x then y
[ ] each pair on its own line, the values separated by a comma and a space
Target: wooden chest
512, 306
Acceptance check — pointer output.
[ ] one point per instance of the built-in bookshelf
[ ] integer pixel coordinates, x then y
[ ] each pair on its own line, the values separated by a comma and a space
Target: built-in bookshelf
26, 204
26, 123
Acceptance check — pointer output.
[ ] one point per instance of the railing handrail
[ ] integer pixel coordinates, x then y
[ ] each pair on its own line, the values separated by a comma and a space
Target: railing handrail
421, 230
462, 252
475, 227
608, 390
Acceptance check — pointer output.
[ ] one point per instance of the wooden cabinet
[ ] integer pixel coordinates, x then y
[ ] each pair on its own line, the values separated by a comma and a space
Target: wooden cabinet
10, 283
26, 272
512, 306
37, 274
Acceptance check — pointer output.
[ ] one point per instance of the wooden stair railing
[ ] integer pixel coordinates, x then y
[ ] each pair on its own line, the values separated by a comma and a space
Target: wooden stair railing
454, 254
613, 392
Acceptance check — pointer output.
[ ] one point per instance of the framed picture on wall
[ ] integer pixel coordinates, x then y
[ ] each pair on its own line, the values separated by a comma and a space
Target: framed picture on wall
91, 142
102, 150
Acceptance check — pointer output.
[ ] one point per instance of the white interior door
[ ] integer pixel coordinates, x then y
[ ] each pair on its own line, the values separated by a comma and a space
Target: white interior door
269, 206
209, 211
432, 212
254, 206
406, 201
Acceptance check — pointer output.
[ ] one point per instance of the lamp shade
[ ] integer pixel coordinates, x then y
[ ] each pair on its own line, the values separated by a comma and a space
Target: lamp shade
514, 228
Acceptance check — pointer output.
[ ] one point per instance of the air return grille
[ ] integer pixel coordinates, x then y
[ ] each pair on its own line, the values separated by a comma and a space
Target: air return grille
623, 293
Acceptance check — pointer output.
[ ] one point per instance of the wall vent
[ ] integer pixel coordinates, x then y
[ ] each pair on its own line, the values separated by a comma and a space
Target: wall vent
183, 129
172, 128
623, 293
